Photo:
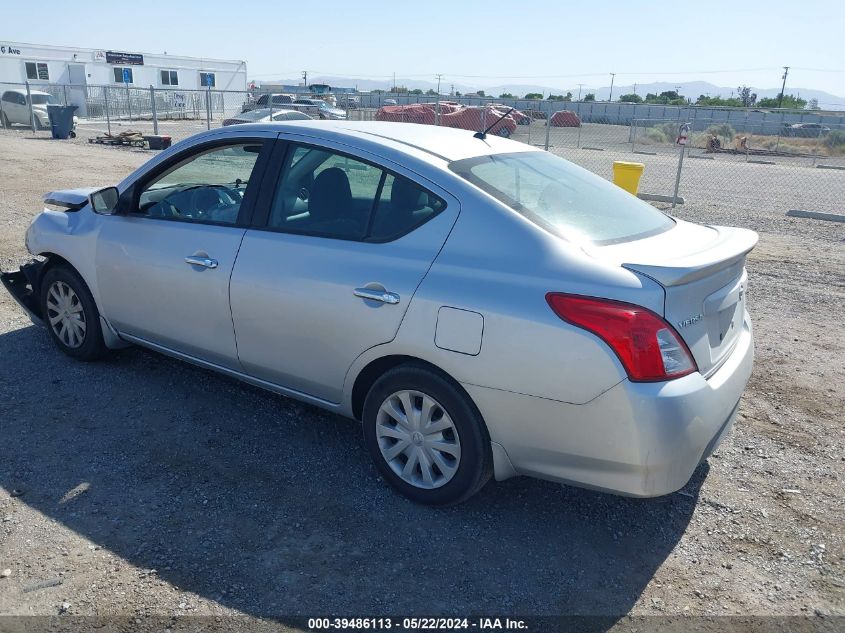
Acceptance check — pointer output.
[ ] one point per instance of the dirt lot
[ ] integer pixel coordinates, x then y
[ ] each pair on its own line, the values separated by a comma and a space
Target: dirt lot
142, 487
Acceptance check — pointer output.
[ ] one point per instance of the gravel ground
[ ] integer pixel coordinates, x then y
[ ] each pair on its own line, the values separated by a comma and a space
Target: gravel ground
140, 486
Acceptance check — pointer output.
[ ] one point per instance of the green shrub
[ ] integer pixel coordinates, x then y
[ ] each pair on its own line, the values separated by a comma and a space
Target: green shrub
656, 134
835, 139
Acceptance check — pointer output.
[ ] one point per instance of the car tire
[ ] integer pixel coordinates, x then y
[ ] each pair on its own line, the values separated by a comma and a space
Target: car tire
455, 450
71, 315
504, 133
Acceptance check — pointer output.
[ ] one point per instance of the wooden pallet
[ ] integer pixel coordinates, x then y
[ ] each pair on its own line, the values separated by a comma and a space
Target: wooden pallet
133, 139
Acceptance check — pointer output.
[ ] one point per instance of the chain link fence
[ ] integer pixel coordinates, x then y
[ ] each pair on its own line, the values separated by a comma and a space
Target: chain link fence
733, 157
119, 109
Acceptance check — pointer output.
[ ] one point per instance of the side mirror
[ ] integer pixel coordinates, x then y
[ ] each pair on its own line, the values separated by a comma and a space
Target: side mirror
105, 200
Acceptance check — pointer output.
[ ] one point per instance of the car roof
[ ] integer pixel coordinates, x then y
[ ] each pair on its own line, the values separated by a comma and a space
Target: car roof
443, 143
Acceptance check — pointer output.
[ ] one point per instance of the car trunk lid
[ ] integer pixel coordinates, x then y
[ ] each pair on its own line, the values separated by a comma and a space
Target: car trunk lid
702, 271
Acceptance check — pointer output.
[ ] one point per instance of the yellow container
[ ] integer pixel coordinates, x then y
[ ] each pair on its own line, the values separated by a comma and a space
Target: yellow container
627, 175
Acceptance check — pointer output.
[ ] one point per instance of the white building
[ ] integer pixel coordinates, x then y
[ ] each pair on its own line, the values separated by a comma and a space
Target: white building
44, 64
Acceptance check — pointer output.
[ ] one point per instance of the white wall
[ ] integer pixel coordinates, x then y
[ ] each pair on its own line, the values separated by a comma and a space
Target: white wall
229, 74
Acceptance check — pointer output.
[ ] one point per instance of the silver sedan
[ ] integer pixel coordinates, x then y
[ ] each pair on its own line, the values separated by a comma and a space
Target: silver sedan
482, 307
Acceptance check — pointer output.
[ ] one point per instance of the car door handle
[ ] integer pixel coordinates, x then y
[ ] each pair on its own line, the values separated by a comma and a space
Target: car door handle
196, 260
377, 295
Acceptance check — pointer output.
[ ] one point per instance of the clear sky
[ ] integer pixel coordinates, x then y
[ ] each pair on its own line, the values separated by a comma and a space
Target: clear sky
555, 42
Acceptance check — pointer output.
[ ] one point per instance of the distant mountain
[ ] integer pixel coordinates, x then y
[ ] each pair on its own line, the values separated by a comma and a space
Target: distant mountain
691, 89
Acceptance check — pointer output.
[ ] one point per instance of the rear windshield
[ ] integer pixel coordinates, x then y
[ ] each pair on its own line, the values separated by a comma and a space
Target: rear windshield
563, 198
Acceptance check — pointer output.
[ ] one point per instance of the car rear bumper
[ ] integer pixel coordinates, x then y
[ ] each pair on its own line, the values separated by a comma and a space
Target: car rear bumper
636, 439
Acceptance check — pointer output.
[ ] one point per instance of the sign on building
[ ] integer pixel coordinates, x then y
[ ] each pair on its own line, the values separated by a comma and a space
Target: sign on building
134, 59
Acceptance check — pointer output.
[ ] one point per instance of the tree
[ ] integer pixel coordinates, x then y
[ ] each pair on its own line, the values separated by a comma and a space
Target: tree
431, 91
480, 93
789, 101
506, 95
813, 104
399, 90
534, 95
669, 97
747, 97
590, 96
566, 97
457, 93
631, 98
704, 100
415, 91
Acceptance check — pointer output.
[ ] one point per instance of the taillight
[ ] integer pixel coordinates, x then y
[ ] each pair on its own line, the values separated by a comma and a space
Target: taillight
648, 347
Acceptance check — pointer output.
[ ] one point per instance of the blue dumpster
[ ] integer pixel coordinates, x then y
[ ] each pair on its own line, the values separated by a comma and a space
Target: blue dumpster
61, 120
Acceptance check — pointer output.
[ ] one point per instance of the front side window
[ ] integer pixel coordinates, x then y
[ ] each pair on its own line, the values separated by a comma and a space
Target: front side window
332, 195
122, 75
562, 198
37, 70
207, 187
169, 78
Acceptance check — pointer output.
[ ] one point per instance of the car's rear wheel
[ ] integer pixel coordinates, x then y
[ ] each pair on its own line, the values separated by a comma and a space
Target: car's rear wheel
426, 437
70, 314
504, 132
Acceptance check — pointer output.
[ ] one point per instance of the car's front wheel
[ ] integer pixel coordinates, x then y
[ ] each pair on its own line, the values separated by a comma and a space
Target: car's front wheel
70, 314
426, 437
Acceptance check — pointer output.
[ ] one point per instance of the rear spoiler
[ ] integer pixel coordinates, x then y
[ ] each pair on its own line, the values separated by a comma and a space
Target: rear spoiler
69, 199
731, 246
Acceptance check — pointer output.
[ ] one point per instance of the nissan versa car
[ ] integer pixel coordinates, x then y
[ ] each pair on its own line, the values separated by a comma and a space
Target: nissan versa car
482, 307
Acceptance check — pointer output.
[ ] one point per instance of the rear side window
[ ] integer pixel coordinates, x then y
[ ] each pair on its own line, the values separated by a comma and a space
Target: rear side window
563, 198
402, 206
327, 194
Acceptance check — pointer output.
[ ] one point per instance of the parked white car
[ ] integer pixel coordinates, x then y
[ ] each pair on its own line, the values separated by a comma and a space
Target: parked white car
14, 109
265, 115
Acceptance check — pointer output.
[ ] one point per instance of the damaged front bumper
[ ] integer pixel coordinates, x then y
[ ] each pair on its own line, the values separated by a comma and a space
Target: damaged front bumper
23, 285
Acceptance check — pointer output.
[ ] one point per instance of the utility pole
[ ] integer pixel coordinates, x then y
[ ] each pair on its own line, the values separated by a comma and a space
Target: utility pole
783, 87
439, 77
579, 92
612, 77
305, 78
394, 82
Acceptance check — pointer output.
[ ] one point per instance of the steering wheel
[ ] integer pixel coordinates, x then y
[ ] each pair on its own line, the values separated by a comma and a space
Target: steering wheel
225, 197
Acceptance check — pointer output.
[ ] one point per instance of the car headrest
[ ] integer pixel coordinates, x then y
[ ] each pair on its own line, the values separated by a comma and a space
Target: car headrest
331, 196
405, 196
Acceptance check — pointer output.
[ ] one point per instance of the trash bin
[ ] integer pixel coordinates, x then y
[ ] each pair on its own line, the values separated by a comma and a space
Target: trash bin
627, 175
61, 120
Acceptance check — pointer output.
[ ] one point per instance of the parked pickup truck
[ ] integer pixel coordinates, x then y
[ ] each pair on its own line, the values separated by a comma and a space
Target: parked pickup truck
265, 100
